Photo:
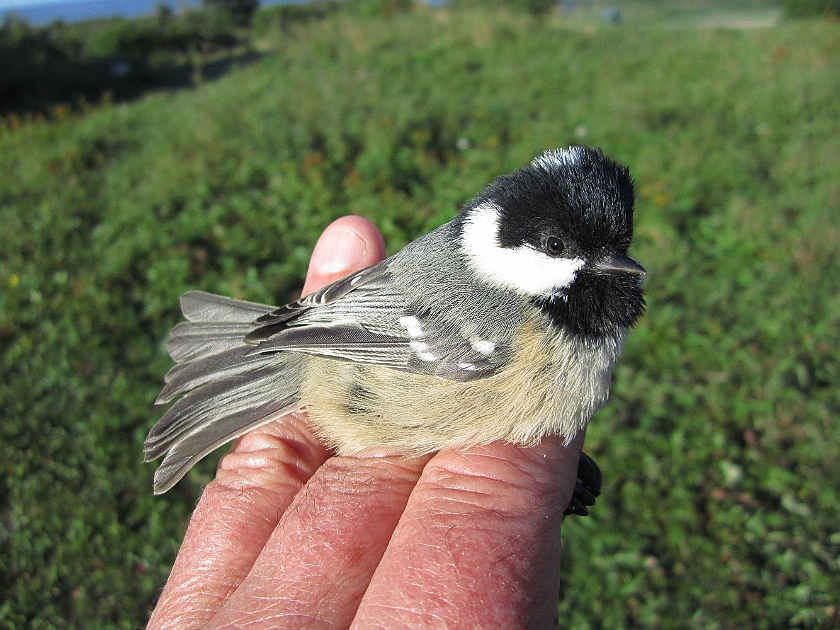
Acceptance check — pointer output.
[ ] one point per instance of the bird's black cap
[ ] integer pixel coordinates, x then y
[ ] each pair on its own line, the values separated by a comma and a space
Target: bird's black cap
586, 200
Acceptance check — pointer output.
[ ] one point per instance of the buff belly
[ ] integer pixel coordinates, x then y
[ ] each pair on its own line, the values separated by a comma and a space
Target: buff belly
549, 387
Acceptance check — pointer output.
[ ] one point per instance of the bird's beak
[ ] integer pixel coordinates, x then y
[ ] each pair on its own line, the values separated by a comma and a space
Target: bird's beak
618, 264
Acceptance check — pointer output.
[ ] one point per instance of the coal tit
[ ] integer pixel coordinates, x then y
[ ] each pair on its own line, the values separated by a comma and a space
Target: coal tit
503, 324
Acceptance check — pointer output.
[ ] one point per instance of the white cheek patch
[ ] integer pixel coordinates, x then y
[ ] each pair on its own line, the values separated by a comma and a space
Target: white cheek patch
524, 269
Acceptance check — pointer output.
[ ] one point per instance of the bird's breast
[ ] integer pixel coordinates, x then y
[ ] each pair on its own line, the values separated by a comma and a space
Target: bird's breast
553, 384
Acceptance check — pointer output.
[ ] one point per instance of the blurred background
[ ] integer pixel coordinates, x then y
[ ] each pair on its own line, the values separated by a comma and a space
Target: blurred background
206, 145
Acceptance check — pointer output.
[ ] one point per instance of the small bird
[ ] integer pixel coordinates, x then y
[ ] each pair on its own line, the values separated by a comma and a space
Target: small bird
503, 324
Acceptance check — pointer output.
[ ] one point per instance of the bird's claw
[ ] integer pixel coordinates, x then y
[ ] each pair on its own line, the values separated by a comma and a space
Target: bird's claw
587, 486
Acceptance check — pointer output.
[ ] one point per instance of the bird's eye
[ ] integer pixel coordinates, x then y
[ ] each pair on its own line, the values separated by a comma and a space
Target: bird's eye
554, 246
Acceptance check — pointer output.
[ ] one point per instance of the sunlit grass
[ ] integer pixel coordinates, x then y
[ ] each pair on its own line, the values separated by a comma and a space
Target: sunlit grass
719, 446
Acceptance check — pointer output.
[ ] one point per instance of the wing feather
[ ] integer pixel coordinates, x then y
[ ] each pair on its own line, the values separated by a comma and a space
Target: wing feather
241, 364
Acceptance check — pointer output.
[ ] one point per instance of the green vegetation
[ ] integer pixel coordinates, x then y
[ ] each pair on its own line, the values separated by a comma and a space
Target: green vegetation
811, 8
720, 445
61, 64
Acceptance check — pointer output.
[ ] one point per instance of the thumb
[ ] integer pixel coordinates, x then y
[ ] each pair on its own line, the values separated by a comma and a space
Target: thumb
347, 245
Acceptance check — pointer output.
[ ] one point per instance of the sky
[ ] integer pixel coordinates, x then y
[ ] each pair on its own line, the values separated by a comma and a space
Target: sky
5, 5
12, 4
41, 12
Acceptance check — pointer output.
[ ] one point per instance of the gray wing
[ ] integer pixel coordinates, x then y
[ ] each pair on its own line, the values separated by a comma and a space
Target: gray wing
365, 319
231, 374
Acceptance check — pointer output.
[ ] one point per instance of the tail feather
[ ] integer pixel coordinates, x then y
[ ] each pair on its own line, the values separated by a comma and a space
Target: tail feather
196, 372
199, 306
189, 341
202, 406
195, 446
207, 431
225, 391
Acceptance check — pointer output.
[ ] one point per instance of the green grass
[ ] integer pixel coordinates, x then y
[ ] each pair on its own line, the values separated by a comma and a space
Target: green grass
720, 444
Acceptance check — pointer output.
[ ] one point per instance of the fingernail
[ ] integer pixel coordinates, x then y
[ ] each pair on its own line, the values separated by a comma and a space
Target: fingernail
338, 249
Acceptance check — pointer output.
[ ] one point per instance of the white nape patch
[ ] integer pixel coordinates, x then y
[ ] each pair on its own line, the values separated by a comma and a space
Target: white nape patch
412, 326
550, 160
483, 346
524, 269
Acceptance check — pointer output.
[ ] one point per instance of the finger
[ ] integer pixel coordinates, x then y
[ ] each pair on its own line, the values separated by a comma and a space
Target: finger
319, 560
348, 244
259, 477
236, 514
478, 545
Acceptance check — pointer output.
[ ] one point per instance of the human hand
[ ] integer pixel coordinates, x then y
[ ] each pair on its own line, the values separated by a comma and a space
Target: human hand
287, 536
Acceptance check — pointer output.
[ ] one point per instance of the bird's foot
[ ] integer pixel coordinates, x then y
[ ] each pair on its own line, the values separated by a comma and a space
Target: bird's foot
587, 486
